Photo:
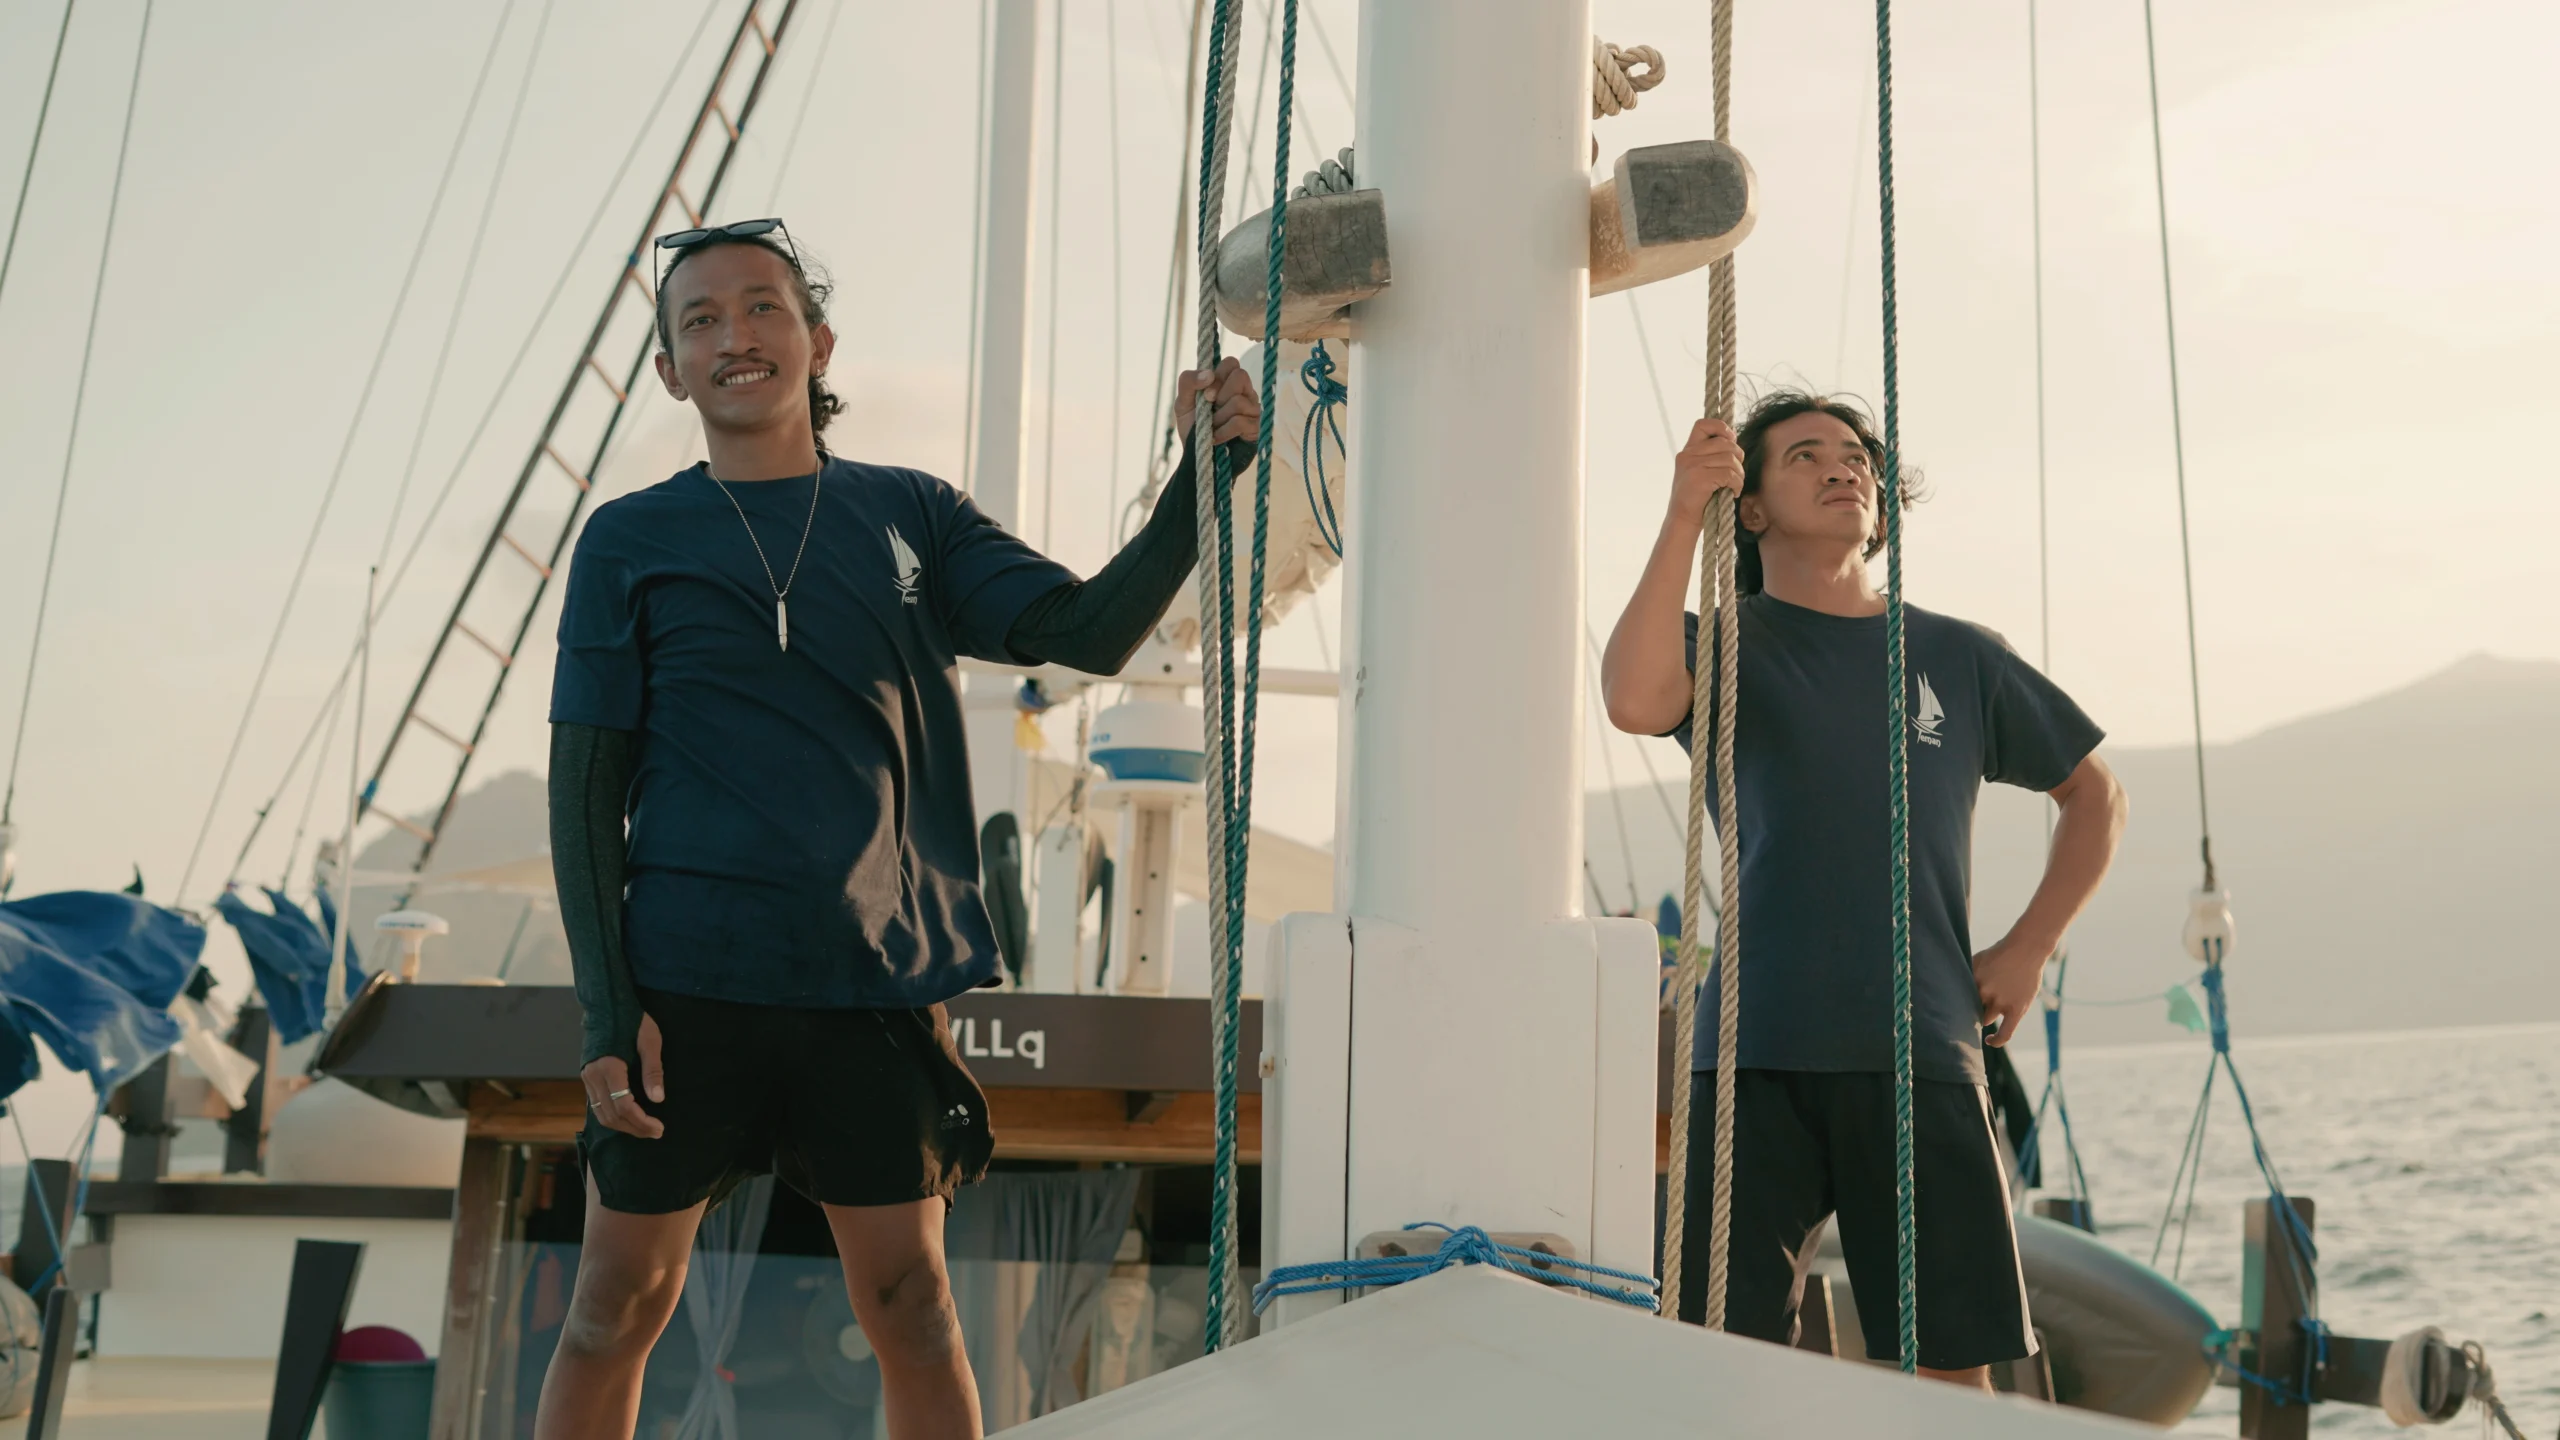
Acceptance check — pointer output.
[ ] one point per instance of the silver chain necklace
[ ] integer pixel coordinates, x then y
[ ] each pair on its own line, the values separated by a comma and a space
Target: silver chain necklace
781, 588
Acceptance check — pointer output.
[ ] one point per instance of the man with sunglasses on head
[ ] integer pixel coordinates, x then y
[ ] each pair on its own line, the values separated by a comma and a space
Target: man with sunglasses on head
763, 833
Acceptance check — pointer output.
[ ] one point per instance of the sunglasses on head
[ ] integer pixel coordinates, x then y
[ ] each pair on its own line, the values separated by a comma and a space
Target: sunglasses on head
673, 244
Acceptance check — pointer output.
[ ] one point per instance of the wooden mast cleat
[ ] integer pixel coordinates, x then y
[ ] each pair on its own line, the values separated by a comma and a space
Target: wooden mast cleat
1337, 257
1665, 210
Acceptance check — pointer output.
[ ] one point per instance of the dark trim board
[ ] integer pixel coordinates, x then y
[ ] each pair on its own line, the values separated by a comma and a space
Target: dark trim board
415, 1035
299, 1202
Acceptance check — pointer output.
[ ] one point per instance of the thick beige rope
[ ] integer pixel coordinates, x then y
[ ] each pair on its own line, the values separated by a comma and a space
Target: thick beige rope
1615, 82
1715, 689
1214, 735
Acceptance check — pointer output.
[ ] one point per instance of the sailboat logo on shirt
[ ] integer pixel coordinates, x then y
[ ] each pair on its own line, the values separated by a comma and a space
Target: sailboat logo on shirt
1931, 715
910, 569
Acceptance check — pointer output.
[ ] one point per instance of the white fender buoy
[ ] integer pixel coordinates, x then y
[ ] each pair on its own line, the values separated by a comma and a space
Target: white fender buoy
2209, 930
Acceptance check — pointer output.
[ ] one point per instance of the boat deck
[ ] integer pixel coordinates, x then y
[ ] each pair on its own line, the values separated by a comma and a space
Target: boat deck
170, 1400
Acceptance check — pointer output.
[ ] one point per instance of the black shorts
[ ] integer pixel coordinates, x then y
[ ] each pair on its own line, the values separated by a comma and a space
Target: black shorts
849, 1107
1808, 1146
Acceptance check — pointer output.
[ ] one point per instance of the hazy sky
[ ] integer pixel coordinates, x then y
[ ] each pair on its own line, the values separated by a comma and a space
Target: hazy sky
2360, 227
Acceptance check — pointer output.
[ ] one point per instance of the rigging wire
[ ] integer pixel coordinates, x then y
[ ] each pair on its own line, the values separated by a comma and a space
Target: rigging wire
1670, 445
35, 146
79, 401
2178, 445
1057, 250
1169, 446
800, 117
346, 448
1849, 242
1324, 42
470, 271
977, 262
1617, 801
1253, 116
488, 412
1111, 45
2055, 1099
311, 795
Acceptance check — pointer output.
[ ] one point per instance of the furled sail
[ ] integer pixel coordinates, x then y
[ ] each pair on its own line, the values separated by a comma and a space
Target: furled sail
1298, 556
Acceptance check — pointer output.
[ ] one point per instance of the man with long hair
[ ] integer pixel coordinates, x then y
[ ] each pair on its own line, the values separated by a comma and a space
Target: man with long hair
1814, 1107
763, 833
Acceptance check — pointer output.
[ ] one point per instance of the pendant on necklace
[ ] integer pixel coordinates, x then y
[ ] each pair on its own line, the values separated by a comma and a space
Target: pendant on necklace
782, 623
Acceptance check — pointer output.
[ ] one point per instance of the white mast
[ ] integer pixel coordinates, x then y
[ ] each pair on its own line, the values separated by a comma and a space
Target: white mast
996, 772
1502, 1044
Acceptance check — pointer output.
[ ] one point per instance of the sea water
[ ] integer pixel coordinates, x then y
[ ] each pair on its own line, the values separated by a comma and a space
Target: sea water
2433, 1156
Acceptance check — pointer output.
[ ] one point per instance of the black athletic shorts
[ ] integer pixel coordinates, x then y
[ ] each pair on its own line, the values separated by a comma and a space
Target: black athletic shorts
1808, 1146
849, 1107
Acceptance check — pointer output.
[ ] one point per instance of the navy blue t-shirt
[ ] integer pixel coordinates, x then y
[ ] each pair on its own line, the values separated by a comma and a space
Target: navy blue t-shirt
1809, 775
801, 827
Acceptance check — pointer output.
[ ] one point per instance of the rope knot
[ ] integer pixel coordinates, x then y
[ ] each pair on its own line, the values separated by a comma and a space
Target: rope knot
1615, 80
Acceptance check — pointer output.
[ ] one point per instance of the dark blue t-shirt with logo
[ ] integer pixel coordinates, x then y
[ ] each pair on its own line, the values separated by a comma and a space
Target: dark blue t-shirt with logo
1809, 772
801, 827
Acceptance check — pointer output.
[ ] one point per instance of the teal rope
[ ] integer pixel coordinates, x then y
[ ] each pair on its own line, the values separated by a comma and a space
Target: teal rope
1898, 746
1216, 650
1240, 712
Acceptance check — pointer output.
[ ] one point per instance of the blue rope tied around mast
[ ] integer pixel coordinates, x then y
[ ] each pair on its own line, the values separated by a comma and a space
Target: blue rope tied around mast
1898, 745
1323, 419
1466, 1245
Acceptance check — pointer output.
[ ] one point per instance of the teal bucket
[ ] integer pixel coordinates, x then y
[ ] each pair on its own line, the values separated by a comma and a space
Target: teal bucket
379, 1399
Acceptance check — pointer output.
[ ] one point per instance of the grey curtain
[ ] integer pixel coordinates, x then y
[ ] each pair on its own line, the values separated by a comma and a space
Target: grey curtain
1070, 1224
715, 1300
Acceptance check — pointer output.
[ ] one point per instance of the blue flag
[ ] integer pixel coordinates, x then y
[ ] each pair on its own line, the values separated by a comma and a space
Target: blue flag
92, 974
289, 955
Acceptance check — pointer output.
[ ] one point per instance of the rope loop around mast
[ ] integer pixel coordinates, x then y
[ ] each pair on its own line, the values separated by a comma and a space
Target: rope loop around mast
1465, 1245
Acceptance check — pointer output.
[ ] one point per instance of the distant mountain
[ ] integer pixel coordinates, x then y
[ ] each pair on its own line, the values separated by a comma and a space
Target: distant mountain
2393, 864
507, 817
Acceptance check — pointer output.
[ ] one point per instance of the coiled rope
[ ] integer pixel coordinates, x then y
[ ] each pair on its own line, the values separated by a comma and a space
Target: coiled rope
1715, 685
1217, 614
1898, 742
1615, 82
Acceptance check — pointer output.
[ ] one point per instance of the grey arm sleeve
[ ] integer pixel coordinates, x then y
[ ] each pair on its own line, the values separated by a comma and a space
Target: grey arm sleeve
591, 770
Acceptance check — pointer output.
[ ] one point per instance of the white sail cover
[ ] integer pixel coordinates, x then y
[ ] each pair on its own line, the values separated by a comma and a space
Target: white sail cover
1297, 558
1476, 1353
